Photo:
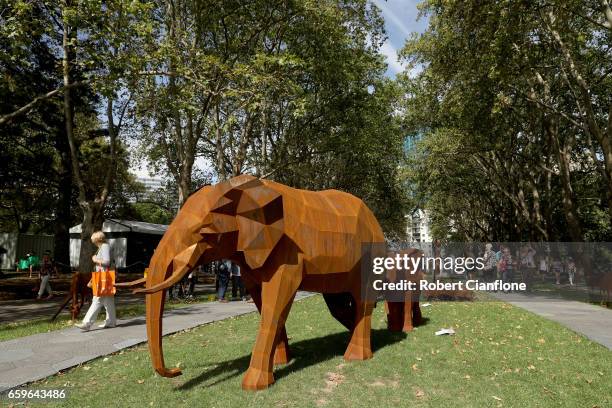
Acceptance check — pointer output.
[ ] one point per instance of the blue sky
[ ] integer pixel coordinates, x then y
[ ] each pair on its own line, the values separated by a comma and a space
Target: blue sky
400, 20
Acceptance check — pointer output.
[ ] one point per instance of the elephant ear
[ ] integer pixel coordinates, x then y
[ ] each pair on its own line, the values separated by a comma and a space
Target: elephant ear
259, 216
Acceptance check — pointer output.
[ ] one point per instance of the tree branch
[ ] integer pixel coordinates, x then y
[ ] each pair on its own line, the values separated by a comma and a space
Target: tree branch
26, 108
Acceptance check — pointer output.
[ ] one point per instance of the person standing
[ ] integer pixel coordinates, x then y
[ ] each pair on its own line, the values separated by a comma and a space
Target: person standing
507, 266
571, 270
237, 284
102, 262
543, 268
33, 263
192, 278
498, 260
489, 260
557, 267
527, 265
223, 277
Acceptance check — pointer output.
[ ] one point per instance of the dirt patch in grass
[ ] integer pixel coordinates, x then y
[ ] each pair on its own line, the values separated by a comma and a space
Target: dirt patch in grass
449, 295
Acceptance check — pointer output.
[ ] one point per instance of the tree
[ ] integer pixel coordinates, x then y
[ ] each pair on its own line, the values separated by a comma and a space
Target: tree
277, 89
98, 45
36, 172
504, 120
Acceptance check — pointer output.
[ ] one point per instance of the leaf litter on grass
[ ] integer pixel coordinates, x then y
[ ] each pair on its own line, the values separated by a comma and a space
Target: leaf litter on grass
377, 372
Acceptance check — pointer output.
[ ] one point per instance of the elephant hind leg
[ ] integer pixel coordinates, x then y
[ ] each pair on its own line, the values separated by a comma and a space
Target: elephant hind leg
395, 316
342, 308
359, 347
417, 316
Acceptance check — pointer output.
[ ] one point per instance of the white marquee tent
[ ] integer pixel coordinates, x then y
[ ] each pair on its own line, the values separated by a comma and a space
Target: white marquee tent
131, 242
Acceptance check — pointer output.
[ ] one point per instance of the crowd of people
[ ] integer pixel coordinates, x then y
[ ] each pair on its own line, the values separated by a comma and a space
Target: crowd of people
527, 265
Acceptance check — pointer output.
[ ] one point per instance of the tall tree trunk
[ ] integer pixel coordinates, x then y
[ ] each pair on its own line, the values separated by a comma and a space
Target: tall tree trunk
569, 205
184, 186
93, 209
93, 218
86, 250
61, 246
563, 149
584, 102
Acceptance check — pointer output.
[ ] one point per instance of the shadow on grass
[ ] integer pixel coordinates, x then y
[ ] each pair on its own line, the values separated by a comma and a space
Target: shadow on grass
304, 354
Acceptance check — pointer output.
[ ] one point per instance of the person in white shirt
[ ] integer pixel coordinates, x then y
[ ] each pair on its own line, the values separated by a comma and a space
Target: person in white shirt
102, 261
237, 284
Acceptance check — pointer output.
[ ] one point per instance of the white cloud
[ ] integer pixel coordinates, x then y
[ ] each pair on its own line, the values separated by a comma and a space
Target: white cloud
391, 54
392, 16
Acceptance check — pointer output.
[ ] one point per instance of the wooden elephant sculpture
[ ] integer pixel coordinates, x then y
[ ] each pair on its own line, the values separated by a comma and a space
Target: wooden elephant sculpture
284, 239
403, 316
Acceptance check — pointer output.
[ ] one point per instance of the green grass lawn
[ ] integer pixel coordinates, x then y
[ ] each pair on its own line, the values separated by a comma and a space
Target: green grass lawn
500, 356
15, 330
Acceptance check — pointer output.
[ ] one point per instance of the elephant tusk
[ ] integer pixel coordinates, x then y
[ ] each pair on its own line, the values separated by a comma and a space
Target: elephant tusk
151, 290
175, 278
131, 284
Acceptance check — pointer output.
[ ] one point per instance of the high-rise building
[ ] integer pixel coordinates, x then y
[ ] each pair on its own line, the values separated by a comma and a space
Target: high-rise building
417, 227
151, 184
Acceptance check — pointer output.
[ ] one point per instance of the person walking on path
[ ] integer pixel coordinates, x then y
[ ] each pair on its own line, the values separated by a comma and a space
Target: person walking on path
102, 261
46, 269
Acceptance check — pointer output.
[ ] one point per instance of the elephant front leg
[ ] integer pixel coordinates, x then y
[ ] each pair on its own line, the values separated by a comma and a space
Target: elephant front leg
281, 349
276, 298
359, 348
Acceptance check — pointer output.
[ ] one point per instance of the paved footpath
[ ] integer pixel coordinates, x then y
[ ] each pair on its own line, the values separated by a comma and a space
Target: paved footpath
28, 309
32, 358
594, 322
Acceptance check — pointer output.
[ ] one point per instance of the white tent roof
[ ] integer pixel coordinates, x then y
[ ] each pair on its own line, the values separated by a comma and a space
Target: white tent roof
127, 226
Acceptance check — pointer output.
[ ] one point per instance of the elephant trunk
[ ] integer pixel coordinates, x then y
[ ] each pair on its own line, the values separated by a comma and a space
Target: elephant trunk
157, 281
155, 310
